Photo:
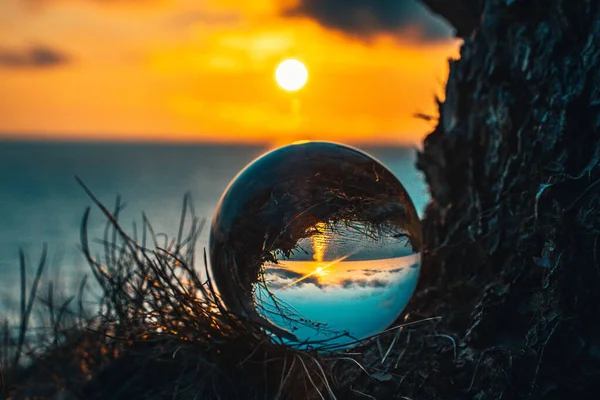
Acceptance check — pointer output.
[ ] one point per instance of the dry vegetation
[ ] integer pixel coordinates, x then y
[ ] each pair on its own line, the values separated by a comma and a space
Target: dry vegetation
162, 332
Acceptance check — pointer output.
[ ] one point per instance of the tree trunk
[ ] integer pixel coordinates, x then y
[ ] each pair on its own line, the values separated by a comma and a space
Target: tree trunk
511, 257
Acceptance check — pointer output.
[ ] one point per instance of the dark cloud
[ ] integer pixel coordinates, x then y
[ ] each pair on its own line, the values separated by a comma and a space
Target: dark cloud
393, 271
364, 283
369, 272
367, 18
33, 57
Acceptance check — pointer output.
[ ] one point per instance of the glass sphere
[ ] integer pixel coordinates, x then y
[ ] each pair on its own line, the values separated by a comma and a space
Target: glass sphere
317, 243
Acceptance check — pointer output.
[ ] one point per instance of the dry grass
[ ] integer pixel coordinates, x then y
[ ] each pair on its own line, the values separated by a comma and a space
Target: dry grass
161, 331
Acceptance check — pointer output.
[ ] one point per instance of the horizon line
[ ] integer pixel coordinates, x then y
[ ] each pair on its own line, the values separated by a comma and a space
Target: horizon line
41, 138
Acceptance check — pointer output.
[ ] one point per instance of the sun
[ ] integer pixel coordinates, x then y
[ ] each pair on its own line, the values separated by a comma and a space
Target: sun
291, 75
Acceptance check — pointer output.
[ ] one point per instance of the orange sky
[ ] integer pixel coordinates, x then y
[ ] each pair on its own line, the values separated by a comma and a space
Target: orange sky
189, 70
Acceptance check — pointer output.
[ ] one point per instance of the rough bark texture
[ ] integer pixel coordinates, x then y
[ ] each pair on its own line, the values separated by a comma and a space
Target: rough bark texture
511, 257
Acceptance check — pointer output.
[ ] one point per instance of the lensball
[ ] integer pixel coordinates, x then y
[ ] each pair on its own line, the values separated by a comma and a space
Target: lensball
316, 243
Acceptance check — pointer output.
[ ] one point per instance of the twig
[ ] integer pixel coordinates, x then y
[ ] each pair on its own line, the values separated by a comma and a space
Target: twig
396, 336
379, 348
477, 367
251, 353
309, 377
324, 376
354, 361
449, 338
403, 351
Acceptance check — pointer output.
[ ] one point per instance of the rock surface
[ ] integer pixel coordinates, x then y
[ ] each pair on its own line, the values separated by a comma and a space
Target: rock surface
511, 237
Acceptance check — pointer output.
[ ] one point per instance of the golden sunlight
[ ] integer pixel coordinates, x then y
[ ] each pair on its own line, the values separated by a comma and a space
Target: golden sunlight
177, 71
319, 272
319, 242
291, 75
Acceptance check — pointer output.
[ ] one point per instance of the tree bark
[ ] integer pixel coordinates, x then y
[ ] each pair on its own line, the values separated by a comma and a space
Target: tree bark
512, 233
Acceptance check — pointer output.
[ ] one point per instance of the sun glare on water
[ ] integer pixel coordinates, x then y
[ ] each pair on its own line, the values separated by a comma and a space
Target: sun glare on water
320, 272
291, 75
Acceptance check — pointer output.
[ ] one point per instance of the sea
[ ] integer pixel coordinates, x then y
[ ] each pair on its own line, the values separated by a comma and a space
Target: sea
42, 203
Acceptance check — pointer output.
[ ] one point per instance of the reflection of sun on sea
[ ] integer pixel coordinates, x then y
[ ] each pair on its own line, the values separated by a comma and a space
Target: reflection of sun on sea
319, 242
319, 245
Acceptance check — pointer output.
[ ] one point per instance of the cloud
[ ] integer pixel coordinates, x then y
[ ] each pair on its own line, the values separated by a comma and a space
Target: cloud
186, 19
368, 18
284, 273
280, 278
33, 57
364, 283
369, 272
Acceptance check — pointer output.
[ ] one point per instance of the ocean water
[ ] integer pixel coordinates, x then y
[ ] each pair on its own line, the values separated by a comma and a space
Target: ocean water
41, 202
